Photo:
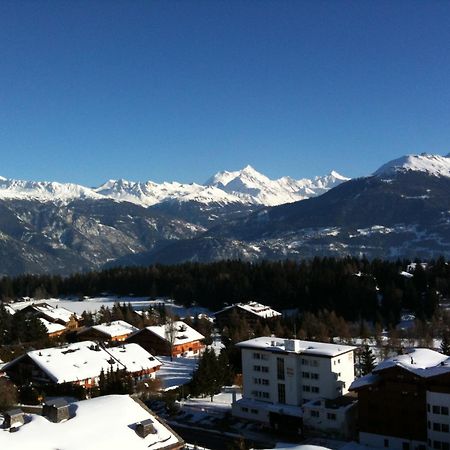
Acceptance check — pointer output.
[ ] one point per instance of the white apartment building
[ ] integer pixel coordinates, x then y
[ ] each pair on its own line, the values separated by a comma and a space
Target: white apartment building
280, 375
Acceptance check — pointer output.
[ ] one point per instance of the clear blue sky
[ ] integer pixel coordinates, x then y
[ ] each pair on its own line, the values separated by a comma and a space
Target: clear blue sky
178, 90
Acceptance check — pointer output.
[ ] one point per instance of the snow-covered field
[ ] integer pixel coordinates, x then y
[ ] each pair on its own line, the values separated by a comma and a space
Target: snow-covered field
177, 372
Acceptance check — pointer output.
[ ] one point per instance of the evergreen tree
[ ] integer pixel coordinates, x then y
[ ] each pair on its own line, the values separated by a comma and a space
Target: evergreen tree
367, 360
445, 344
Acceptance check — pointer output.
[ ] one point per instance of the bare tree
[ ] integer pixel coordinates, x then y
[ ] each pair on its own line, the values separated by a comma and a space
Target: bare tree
171, 332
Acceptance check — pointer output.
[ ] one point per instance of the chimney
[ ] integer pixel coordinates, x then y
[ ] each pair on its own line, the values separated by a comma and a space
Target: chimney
144, 428
13, 418
56, 410
292, 345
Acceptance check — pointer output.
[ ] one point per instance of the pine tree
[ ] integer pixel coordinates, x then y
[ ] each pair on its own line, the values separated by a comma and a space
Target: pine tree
367, 360
445, 344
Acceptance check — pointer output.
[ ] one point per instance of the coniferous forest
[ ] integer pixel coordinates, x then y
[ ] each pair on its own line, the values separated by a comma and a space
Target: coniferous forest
356, 289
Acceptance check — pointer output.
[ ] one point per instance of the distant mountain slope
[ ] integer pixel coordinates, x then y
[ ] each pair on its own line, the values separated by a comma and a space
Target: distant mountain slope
402, 210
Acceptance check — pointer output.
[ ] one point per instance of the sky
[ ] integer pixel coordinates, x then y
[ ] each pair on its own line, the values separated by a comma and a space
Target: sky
166, 90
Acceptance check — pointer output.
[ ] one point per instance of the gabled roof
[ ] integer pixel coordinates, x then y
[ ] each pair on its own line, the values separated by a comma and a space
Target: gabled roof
421, 362
115, 328
54, 313
83, 360
103, 423
258, 309
183, 332
52, 327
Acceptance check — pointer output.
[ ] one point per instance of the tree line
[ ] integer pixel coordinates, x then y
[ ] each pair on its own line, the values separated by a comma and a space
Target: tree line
374, 290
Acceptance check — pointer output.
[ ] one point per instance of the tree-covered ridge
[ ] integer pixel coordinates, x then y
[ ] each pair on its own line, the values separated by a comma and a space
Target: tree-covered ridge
354, 288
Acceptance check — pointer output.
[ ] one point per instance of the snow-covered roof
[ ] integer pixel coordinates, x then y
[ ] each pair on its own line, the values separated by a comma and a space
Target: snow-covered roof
102, 423
274, 344
83, 360
55, 313
256, 308
115, 328
422, 362
184, 333
52, 327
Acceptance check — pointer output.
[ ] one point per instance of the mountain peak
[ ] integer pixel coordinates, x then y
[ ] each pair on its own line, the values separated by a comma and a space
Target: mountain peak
434, 165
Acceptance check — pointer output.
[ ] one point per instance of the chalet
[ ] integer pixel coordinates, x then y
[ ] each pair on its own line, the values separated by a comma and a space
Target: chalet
81, 363
53, 329
108, 422
172, 339
252, 312
118, 331
404, 404
52, 314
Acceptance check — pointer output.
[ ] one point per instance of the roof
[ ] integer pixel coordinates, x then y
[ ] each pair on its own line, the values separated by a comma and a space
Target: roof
422, 362
55, 313
102, 423
184, 333
52, 327
83, 360
256, 308
116, 328
274, 344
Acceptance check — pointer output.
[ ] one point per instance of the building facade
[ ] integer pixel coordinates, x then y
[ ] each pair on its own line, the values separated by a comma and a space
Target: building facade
280, 375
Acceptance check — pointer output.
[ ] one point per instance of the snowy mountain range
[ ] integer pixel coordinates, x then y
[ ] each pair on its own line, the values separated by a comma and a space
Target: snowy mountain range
246, 186
401, 210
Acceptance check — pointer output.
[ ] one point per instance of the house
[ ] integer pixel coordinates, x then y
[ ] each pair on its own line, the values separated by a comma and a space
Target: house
404, 404
53, 329
52, 314
117, 330
81, 363
172, 339
102, 423
252, 312
280, 375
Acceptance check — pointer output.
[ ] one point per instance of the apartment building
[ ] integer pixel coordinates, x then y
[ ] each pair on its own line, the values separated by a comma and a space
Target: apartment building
280, 375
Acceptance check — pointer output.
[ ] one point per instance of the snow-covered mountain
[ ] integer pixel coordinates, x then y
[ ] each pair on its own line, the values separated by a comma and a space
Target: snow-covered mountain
246, 186
435, 165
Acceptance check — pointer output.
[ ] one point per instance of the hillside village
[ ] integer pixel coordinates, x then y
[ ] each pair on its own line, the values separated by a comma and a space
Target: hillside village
186, 376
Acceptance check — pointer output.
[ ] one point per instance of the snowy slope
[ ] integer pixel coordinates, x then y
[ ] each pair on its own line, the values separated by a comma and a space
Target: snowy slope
246, 186
435, 165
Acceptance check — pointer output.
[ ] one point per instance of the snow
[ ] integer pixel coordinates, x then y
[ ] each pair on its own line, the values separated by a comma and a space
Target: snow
115, 328
307, 347
52, 327
85, 360
435, 165
246, 186
54, 312
102, 423
184, 333
256, 308
177, 372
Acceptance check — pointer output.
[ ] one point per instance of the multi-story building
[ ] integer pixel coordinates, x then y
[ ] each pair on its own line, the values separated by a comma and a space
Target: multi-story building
280, 375
404, 404
252, 312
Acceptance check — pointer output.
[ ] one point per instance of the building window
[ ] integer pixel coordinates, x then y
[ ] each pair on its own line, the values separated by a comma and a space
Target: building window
305, 362
314, 363
265, 382
315, 389
305, 374
244, 409
306, 388
437, 445
281, 393
257, 368
444, 410
314, 413
436, 426
444, 427
280, 368
256, 356
264, 369
314, 376
436, 409
254, 411
331, 416
428, 407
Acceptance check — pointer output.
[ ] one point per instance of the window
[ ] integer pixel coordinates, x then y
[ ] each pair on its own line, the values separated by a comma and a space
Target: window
280, 368
428, 407
331, 416
265, 395
436, 426
264, 357
305, 374
254, 411
281, 393
257, 368
444, 410
265, 382
405, 446
315, 389
444, 427
306, 388
386, 443
305, 362
436, 409
314, 363
437, 444
314, 413
264, 369
256, 355
244, 409
314, 376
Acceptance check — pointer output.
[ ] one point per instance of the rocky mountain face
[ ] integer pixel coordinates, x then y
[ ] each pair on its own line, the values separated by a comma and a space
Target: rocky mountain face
49, 227
402, 210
